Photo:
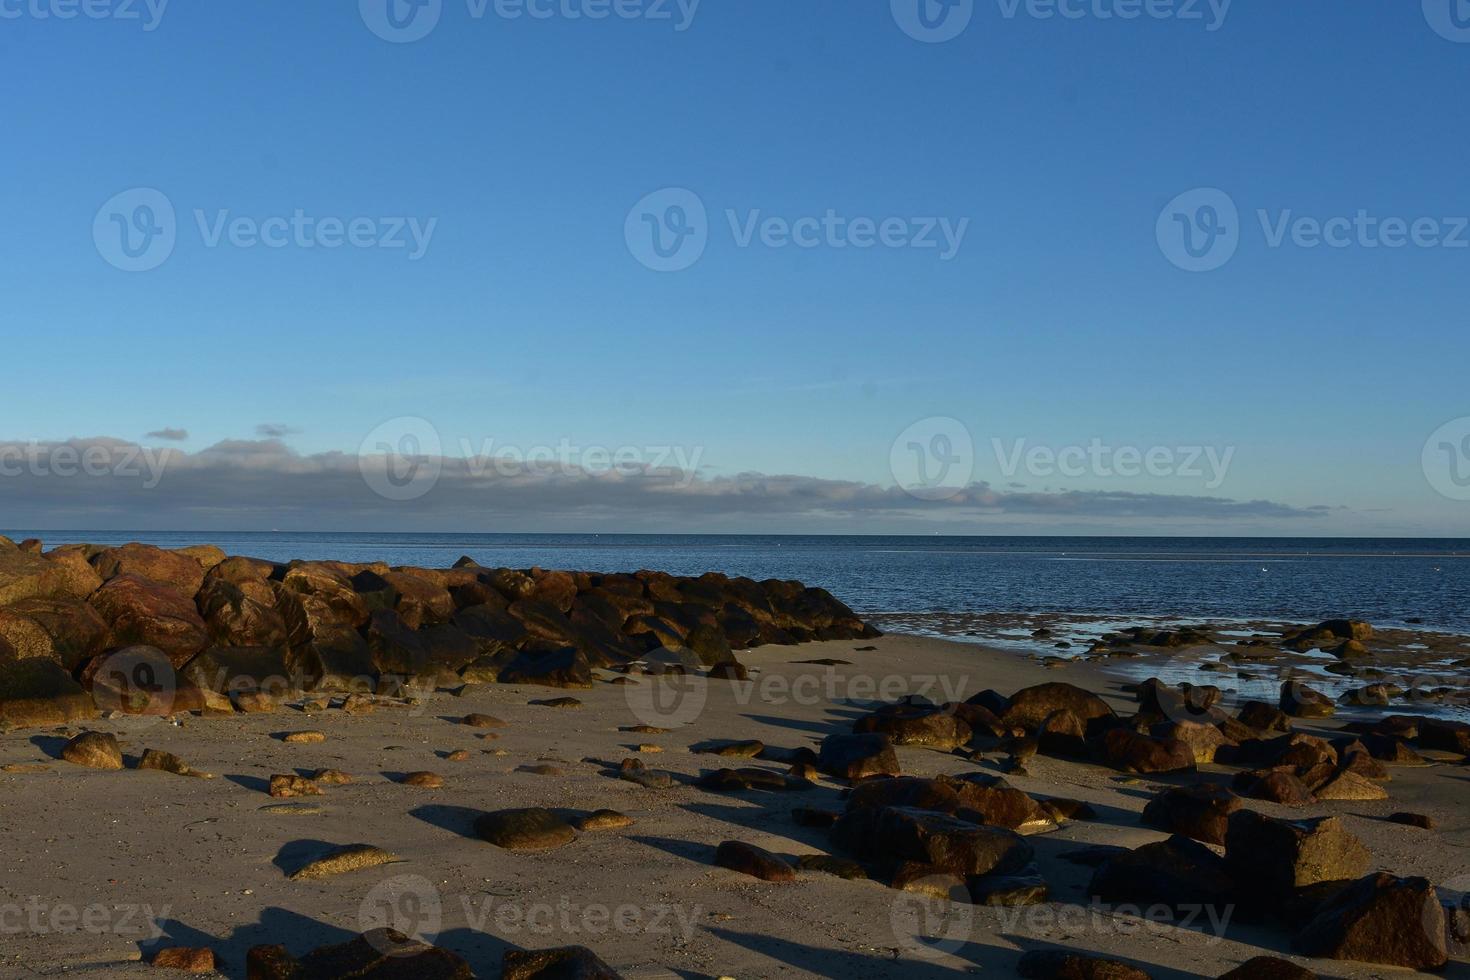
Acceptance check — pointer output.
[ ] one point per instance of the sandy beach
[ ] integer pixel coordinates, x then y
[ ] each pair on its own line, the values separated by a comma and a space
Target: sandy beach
102, 868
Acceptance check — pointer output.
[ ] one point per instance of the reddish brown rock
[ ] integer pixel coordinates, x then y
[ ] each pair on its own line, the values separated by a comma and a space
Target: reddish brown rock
1031, 706
562, 963
1272, 857
857, 756
1201, 812
754, 861
191, 960
1380, 919
183, 573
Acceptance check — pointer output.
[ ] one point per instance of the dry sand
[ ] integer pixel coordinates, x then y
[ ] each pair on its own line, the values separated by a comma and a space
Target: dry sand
101, 867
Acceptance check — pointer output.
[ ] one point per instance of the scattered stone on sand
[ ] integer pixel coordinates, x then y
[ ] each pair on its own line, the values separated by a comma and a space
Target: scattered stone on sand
1061, 965
557, 703
643, 730
1061, 809
359, 704
1301, 701
1380, 919
331, 777
287, 785
729, 670
95, 750
525, 829
541, 769
1413, 820
304, 738
603, 820
478, 720
1009, 891
423, 780
1134, 752
24, 767
844, 868
254, 703
564, 963
634, 771
1275, 786
189, 959
730, 749
1031, 706
352, 857
458, 755
858, 756
754, 861
647, 747
168, 762
382, 954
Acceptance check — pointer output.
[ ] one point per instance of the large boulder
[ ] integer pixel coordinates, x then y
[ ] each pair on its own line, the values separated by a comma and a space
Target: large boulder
1380, 919
37, 692
1301, 701
1179, 874
27, 576
432, 653
1272, 858
183, 572
992, 805
1201, 812
419, 601
930, 727
1131, 751
241, 614
143, 611
564, 668
928, 837
858, 756
233, 670
66, 631
1047, 964
1031, 706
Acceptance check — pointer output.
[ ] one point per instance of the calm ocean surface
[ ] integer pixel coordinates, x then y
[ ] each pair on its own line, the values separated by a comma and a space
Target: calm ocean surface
1385, 581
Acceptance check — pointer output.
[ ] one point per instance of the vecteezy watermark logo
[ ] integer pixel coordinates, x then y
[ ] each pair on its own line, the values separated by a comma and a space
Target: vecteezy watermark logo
1449, 18
1446, 459
933, 21
137, 680
148, 12
407, 904
136, 230
668, 230
933, 916
1209, 464
1199, 230
1185, 11
401, 21
672, 694
402, 459
933, 459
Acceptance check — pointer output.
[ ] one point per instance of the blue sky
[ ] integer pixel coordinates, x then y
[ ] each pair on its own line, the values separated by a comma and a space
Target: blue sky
529, 321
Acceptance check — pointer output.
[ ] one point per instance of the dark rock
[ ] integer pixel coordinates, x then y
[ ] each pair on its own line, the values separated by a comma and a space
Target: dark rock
66, 631
1269, 968
1132, 752
563, 963
37, 693
1201, 812
1380, 919
1264, 717
144, 612
1179, 874
754, 861
566, 668
382, 954
1275, 786
1031, 706
932, 728
840, 867
928, 837
1413, 820
1272, 858
857, 756
1061, 965
242, 615
528, 829
1027, 888
1301, 701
